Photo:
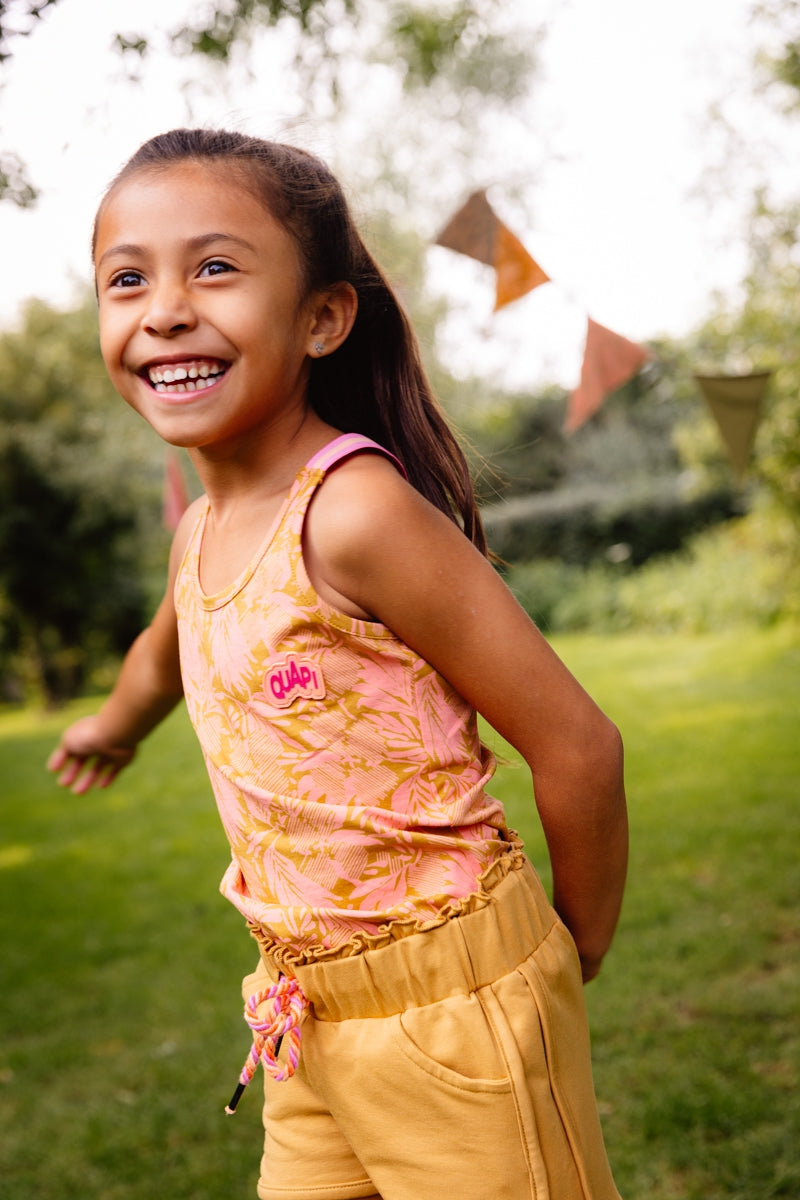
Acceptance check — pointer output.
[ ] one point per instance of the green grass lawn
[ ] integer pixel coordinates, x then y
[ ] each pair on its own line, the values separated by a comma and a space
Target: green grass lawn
120, 1023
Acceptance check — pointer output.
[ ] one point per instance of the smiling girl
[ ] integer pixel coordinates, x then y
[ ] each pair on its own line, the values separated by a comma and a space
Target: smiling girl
334, 625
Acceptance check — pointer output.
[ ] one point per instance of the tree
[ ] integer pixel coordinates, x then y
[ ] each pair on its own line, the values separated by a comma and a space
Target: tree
461, 55
761, 333
80, 483
779, 58
759, 329
18, 18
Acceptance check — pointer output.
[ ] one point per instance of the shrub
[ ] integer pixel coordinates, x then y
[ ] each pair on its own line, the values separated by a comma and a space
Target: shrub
580, 525
744, 574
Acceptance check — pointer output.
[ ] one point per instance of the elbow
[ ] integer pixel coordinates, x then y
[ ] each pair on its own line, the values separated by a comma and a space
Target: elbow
607, 755
584, 760
612, 747
598, 765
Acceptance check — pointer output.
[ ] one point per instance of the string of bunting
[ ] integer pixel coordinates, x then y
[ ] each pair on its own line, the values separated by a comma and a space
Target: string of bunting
609, 359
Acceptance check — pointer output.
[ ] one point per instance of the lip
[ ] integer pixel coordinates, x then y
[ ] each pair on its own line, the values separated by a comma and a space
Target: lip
185, 356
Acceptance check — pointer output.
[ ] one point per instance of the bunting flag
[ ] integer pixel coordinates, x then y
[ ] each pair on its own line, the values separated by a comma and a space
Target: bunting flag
609, 360
478, 232
736, 403
176, 496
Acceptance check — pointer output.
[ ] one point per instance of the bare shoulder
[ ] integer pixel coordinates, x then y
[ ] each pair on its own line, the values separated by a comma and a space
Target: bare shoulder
357, 498
366, 514
378, 543
362, 505
364, 474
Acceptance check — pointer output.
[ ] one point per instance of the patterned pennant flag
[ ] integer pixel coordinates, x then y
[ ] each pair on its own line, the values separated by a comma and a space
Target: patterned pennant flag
609, 360
736, 403
478, 232
176, 496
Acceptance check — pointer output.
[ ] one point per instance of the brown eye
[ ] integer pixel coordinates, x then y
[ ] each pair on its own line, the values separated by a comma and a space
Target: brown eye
127, 279
216, 267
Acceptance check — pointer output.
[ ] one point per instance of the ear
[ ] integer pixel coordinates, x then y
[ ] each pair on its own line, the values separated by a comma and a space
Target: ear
333, 314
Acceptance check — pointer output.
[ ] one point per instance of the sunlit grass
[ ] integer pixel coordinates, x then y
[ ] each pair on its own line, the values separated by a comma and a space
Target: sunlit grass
120, 1025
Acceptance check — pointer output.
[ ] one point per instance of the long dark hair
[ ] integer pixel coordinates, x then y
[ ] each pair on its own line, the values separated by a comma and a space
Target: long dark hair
374, 383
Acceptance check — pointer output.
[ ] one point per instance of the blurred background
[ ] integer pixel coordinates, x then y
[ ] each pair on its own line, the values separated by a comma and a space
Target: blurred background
645, 161
645, 157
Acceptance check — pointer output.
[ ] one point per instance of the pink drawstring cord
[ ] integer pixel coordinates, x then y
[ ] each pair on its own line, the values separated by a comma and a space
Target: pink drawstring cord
282, 1005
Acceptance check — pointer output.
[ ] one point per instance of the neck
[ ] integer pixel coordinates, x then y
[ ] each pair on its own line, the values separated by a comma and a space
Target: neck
257, 467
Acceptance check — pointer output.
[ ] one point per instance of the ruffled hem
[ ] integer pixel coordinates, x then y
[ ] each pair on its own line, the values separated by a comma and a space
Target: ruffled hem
285, 957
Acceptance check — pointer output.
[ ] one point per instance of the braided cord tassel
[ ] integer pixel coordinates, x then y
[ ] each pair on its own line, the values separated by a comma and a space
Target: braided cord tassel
281, 1007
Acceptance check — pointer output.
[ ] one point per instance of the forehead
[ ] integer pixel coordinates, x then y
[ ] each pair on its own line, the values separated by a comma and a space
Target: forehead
184, 201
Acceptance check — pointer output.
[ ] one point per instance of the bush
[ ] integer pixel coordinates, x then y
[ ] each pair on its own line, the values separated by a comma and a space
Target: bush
745, 574
580, 525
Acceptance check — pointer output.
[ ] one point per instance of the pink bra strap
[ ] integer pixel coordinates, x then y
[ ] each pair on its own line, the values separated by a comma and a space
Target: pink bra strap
345, 445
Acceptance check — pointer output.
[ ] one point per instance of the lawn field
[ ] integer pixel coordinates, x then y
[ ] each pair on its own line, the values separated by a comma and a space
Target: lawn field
121, 1034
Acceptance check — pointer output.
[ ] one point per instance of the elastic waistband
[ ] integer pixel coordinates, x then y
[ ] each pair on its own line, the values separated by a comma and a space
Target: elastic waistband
454, 958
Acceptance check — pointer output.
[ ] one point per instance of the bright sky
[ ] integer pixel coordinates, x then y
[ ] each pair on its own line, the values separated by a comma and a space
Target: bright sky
621, 104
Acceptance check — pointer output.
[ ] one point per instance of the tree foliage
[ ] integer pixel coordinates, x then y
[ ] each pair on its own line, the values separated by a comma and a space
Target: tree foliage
763, 333
462, 54
759, 329
18, 18
779, 59
426, 41
80, 481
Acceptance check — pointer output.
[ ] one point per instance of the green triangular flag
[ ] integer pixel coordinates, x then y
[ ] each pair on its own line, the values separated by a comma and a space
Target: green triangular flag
736, 403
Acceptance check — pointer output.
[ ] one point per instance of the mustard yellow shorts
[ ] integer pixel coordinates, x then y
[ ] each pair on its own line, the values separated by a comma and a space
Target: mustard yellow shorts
451, 1064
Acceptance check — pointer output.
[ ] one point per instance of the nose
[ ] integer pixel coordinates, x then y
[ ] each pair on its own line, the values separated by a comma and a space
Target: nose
169, 310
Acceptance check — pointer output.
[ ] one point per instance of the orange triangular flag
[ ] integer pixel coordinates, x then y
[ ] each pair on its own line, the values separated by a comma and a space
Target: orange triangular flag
517, 272
478, 232
736, 403
176, 496
609, 360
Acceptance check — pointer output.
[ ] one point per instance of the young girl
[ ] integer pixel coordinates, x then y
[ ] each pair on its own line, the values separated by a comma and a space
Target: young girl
334, 625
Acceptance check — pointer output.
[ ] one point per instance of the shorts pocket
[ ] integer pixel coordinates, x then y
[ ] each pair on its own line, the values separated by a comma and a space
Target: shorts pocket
453, 1041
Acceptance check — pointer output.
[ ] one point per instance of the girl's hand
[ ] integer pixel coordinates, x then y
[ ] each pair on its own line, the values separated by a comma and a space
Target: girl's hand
85, 758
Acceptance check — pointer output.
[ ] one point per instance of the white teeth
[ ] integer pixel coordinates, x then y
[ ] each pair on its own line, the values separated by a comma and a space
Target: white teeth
191, 385
182, 379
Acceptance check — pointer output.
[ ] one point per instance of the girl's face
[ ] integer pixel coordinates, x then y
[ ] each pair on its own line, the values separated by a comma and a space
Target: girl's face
204, 326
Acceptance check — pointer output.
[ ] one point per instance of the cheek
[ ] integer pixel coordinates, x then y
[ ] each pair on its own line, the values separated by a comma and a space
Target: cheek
110, 340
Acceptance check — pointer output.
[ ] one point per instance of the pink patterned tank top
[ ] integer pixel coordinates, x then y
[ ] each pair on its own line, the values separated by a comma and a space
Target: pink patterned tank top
349, 775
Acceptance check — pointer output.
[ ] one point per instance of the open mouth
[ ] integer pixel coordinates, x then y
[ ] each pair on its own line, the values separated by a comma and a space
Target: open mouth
190, 376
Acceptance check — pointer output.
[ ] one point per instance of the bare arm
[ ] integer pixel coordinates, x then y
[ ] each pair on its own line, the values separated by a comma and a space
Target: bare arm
94, 750
376, 543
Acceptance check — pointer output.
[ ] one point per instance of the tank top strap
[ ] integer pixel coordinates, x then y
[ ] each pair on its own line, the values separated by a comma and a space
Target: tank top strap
346, 445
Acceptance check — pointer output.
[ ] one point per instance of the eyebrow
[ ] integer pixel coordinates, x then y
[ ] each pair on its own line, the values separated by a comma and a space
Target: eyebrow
131, 249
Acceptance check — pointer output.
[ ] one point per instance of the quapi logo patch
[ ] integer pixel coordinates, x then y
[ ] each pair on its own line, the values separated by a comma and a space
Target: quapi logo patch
293, 678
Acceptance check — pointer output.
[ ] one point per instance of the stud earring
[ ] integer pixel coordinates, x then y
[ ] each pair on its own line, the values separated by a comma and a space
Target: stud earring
319, 347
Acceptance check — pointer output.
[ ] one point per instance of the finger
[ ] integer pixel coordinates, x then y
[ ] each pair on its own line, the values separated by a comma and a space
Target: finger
74, 764
87, 777
57, 759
